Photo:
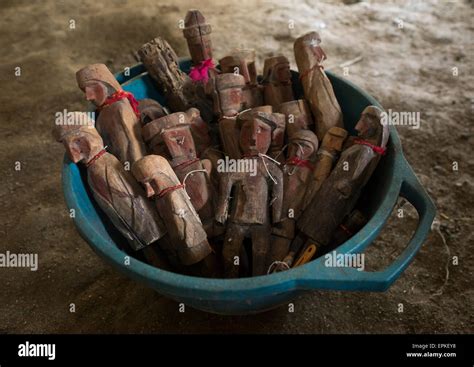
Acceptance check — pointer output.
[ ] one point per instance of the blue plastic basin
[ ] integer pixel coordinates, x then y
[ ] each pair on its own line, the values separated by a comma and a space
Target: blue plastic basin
393, 178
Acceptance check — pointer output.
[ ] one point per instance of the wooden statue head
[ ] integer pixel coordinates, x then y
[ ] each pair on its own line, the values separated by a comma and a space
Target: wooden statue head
298, 116
256, 128
81, 140
97, 82
370, 127
179, 143
198, 36
153, 131
303, 144
154, 173
228, 99
241, 61
150, 110
276, 70
334, 139
308, 50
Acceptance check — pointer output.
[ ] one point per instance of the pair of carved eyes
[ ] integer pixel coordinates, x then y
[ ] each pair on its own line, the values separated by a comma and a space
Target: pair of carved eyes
302, 146
258, 129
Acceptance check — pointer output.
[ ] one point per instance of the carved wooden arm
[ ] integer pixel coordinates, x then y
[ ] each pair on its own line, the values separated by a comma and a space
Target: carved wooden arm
277, 193
223, 199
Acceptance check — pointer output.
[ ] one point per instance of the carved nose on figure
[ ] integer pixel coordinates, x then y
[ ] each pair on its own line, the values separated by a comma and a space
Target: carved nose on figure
89, 94
149, 190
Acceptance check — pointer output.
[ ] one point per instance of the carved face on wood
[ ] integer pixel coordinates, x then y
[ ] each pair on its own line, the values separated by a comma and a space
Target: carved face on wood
150, 192
370, 128
82, 145
282, 72
255, 136
179, 142
228, 99
154, 173
277, 70
303, 144
312, 42
301, 149
96, 92
334, 139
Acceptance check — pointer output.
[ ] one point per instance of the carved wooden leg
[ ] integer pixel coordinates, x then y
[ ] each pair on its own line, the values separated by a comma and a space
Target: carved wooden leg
282, 235
233, 241
260, 248
279, 248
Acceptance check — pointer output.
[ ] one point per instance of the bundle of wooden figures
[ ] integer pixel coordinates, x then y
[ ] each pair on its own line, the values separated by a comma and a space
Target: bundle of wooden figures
236, 175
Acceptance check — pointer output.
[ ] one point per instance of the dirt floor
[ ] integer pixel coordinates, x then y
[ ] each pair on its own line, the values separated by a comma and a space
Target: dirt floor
409, 50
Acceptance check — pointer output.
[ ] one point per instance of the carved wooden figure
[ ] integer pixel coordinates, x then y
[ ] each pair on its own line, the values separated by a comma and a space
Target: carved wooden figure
242, 61
297, 173
277, 81
316, 85
278, 134
298, 116
114, 189
249, 215
199, 130
228, 102
178, 88
340, 191
150, 110
228, 98
327, 155
191, 171
198, 36
118, 122
182, 222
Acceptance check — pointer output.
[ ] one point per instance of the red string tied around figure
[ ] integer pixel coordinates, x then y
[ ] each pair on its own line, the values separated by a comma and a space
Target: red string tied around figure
121, 94
187, 163
296, 161
377, 149
200, 72
320, 57
96, 157
168, 190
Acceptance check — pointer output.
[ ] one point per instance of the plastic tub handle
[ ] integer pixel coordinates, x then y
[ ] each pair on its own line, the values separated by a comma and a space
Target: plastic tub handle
354, 279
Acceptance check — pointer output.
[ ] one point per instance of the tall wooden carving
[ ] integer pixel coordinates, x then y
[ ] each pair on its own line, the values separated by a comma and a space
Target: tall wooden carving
316, 85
